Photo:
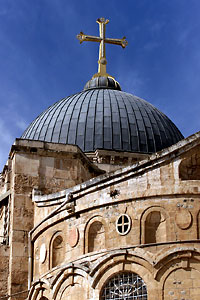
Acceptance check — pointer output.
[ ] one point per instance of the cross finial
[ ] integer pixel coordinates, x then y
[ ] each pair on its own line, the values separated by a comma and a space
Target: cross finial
102, 40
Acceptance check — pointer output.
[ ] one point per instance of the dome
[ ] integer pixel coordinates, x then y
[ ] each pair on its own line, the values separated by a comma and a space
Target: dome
105, 118
102, 82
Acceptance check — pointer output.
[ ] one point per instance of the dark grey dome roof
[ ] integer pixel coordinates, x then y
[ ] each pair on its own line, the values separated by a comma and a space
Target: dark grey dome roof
102, 82
105, 119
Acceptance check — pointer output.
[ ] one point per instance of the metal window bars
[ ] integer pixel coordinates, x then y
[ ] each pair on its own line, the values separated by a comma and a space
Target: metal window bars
125, 286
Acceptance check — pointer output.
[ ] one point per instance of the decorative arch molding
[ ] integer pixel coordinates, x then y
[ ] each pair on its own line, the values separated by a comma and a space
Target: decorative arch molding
68, 277
68, 270
99, 220
67, 274
173, 259
39, 289
146, 214
76, 289
122, 260
126, 265
56, 255
182, 280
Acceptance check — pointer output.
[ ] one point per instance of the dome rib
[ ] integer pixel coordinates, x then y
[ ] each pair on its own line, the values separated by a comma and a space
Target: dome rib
56, 123
111, 119
50, 130
136, 126
157, 126
36, 126
105, 119
42, 125
67, 103
144, 126
71, 137
128, 125
120, 126
157, 113
86, 133
78, 119
151, 147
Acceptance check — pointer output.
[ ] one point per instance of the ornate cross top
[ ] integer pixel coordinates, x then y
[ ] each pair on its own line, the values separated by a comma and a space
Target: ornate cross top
102, 40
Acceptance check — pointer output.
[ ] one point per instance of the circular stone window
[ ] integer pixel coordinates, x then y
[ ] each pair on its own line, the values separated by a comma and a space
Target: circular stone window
125, 286
123, 224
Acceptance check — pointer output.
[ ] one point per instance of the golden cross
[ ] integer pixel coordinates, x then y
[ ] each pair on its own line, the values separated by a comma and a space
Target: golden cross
102, 49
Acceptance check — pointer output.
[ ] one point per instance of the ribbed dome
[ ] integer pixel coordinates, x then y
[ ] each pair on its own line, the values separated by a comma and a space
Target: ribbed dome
105, 119
103, 82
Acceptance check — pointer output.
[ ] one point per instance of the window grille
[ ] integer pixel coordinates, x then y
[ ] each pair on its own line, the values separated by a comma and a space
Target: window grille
125, 286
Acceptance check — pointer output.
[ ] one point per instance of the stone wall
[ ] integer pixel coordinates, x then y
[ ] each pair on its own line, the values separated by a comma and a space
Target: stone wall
43, 166
4, 269
142, 220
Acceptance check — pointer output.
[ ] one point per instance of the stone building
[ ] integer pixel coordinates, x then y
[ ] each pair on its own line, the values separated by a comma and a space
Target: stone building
99, 200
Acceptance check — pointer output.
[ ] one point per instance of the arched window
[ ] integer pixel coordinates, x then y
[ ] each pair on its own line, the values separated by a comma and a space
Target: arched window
189, 168
126, 285
155, 228
57, 250
96, 237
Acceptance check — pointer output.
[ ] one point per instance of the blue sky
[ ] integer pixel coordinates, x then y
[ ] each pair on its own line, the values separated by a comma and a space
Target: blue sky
41, 61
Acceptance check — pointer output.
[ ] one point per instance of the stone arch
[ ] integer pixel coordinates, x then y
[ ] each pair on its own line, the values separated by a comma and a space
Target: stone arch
189, 168
39, 291
121, 263
174, 258
127, 285
72, 291
154, 224
182, 283
57, 252
71, 282
95, 235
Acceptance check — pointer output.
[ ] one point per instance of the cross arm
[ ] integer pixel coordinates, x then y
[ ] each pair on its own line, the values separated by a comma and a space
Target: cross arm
83, 37
121, 42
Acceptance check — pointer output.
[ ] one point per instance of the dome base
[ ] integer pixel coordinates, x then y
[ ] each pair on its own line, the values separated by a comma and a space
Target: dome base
102, 82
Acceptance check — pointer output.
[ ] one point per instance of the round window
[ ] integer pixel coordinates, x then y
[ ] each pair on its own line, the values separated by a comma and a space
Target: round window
123, 224
125, 286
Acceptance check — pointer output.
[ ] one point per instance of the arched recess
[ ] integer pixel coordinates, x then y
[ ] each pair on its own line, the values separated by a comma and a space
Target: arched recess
154, 225
189, 168
72, 291
72, 284
121, 264
95, 235
40, 290
178, 272
182, 284
57, 252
